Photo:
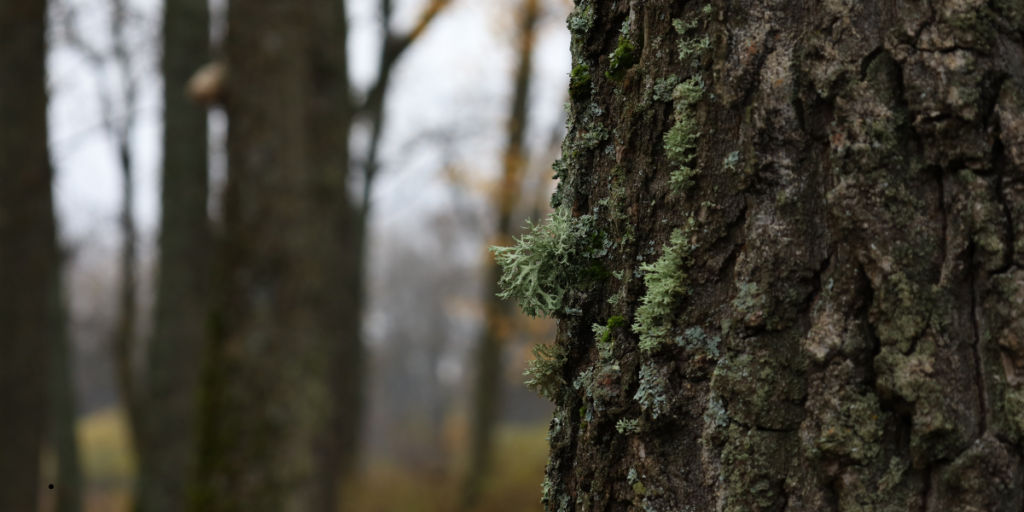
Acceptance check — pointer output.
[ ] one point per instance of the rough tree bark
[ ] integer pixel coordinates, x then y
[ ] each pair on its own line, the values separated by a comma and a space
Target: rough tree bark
266, 394
166, 439
786, 258
28, 252
497, 310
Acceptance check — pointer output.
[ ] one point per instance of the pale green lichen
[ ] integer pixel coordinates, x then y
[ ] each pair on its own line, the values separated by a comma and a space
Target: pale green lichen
634, 481
626, 426
603, 338
715, 415
548, 260
730, 161
691, 48
695, 337
663, 88
581, 20
681, 139
652, 394
545, 371
666, 281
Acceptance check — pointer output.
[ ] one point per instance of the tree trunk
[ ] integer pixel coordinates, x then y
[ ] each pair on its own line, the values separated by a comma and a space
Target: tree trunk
786, 259
63, 413
124, 339
266, 392
497, 310
167, 440
28, 252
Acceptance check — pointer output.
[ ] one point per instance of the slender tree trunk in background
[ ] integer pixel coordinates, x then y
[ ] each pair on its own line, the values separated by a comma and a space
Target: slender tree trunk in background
166, 446
339, 453
498, 311
266, 393
124, 335
810, 218
62, 414
28, 252
329, 120
123, 342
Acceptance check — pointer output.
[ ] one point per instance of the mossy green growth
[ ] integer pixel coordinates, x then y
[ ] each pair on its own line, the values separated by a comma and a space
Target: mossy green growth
634, 481
604, 332
624, 56
547, 261
545, 371
666, 281
579, 81
681, 140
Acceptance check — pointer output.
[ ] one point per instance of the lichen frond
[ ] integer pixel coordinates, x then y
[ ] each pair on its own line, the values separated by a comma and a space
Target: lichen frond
666, 281
681, 139
545, 371
540, 266
625, 426
652, 395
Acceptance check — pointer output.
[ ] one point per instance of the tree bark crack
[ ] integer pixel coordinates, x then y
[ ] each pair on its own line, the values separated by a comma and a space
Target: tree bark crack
979, 362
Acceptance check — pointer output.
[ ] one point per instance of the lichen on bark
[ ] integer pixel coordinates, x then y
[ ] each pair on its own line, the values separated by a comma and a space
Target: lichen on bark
827, 319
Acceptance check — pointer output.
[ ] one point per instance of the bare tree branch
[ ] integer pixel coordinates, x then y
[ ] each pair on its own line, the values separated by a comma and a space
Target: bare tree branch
373, 106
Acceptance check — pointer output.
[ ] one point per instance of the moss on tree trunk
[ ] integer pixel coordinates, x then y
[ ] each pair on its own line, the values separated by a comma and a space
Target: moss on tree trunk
809, 215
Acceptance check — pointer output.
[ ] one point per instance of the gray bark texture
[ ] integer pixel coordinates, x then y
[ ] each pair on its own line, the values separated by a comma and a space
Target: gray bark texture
28, 253
168, 396
787, 258
266, 394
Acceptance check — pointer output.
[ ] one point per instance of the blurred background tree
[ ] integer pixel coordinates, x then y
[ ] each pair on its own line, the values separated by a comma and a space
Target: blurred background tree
30, 316
395, 194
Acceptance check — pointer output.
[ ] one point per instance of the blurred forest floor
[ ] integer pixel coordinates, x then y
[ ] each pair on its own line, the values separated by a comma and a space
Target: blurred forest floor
521, 453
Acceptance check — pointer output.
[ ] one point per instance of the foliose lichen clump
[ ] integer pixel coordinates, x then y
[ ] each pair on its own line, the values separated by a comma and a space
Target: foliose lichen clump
548, 260
627, 426
652, 395
691, 48
666, 281
695, 337
544, 373
581, 20
681, 139
663, 88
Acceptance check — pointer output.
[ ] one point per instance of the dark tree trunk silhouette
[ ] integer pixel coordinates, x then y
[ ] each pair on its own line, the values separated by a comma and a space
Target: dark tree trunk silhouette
266, 400
63, 413
28, 253
786, 259
169, 393
339, 453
